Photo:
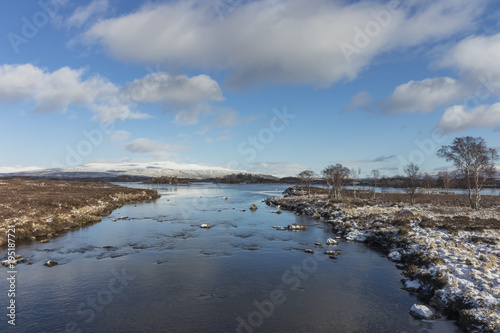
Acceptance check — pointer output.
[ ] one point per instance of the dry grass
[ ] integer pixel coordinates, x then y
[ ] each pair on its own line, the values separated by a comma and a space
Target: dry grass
440, 201
40, 207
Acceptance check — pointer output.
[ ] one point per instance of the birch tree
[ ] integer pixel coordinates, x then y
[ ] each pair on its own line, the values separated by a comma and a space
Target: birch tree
412, 172
306, 177
336, 176
475, 161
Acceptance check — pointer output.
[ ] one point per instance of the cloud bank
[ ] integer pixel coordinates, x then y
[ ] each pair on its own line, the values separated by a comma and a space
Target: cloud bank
285, 41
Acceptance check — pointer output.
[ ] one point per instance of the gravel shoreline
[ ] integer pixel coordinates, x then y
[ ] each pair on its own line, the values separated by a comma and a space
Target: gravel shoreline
450, 255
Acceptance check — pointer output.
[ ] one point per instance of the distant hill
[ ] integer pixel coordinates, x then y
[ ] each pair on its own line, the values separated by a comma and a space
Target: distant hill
128, 170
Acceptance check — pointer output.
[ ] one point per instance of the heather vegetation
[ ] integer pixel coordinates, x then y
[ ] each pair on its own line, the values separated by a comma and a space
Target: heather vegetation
40, 208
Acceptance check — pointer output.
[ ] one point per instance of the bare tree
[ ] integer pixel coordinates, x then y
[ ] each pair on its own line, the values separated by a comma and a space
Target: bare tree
446, 179
428, 181
375, 178
385, 184
336, 176
355, 176
475, 161
412, 174
306, 178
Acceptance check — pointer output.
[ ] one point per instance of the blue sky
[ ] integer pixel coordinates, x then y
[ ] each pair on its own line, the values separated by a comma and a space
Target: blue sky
271, 86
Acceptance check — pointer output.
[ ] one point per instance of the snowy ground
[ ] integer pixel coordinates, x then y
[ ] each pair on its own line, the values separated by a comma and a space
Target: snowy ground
456, 271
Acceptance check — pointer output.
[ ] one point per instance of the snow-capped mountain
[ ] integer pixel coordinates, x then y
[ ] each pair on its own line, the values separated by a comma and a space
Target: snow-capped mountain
149, 169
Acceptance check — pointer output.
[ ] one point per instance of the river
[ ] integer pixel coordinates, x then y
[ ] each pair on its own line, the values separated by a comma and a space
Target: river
156, 270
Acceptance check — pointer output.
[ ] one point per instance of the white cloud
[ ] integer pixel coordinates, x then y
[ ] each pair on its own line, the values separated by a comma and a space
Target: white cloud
62, 88
477, 55
189, 97
54, 91
84, 13
226, 118
152, 147
359, 101
425, 95
458, 118
289, 41
119, 136
179, 91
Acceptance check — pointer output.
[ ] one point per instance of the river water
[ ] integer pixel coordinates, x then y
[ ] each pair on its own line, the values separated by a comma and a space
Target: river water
158, 271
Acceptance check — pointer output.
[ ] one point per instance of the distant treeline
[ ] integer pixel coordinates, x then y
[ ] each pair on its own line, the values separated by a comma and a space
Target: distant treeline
388, 182
246, 178
422, 182
166, 180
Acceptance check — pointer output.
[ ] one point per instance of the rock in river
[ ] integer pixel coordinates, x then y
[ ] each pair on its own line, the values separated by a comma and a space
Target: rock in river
421, 311
7, 263
411, 285
205, 226
50, 263
297, 226
394, 256
331, 241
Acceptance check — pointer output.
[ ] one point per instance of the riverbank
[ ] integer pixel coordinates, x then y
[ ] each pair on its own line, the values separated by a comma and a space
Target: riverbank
42, 208
449, 253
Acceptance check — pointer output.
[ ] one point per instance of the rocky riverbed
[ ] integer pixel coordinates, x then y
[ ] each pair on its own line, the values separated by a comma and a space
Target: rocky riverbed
41, 208
449, 255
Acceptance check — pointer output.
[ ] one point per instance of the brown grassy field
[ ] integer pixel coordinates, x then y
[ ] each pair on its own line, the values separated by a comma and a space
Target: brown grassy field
442, 200
43, 207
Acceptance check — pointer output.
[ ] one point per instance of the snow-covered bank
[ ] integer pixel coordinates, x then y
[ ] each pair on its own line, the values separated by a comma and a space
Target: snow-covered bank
450, 255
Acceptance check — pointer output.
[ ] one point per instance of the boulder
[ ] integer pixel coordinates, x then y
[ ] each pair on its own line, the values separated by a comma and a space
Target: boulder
205, 226
331, 241
411, 285
309, 251
356, 235
7, 263
394, 256
297, 226
421, 311
253, 207
51, 263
